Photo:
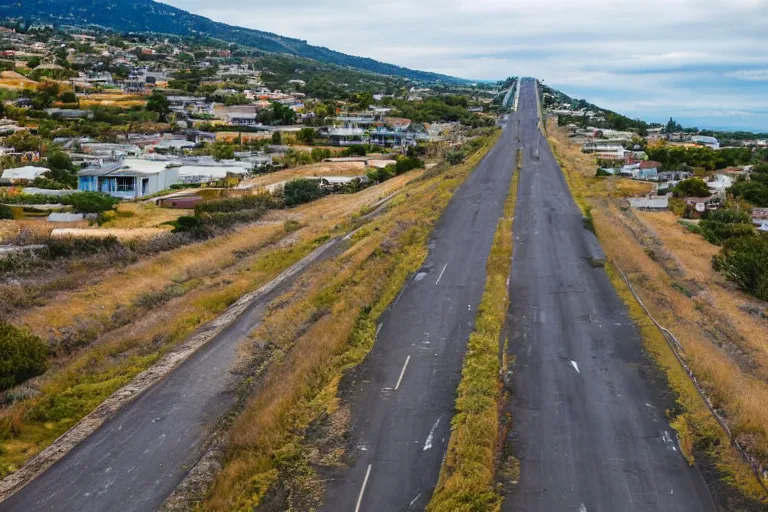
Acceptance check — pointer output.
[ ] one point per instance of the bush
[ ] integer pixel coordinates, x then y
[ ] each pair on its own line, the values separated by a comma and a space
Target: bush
454, 157
745, 262
90, 202
717, 233
721, 225
234, 204
187, 224
301, 191
5, 212
355, 150
22, 355
67, 247
408, 164
692, 187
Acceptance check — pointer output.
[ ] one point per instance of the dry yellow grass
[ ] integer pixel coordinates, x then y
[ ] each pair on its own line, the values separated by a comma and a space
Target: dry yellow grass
141, 215
13, 80
245, 137
112, 103
307, 171
120, 234
38, 227
724, 345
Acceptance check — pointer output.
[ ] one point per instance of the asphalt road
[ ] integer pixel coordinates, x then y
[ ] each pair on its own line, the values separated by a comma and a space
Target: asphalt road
402, 396
135, 460
590, 430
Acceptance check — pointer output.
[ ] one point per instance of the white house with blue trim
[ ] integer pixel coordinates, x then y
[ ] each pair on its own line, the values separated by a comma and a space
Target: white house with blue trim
131, 178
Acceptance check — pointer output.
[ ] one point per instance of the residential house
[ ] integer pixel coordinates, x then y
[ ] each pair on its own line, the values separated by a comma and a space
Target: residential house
711, 142
392, 137
110, 151
719, 183
702, 204
22, 174
346, 136
131, 178
600, 147
646, 170
649, 203
66, 113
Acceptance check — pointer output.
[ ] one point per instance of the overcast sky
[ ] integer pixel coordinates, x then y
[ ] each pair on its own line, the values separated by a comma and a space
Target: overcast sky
704, 62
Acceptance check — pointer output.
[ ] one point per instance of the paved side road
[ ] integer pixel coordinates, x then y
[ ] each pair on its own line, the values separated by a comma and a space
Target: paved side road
590, 430
135, 460
402, 396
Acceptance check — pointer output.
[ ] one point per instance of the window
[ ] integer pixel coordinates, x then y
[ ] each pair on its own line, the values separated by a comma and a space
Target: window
125, 184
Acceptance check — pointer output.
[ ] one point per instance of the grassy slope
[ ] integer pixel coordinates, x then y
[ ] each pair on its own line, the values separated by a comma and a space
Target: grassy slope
130, 317
319, 330
467, 477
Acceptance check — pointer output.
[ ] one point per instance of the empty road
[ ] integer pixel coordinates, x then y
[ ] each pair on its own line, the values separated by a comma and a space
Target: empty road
402, 396
590, 430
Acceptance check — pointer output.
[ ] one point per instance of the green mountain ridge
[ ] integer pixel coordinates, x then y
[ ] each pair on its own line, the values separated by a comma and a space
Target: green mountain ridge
151, 16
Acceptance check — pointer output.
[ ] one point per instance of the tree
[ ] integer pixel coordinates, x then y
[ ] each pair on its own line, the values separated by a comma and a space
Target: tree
277, 138
301, 191
692, 187
306, 135
33, 62
672, 126
24, 141
69, 97
222, 151
159, 103
745, 262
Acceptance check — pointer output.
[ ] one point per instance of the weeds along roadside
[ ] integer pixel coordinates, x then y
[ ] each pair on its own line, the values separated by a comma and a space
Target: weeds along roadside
700, 437
468, 473
318, 334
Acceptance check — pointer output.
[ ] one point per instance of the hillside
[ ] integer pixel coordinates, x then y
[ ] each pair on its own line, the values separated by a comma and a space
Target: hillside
150, 16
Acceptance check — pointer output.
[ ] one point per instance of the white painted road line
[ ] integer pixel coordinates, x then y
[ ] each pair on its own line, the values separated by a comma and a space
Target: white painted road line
441, 274
401, 294
402, 372
575, 367
428, 442
365, 482
378, 329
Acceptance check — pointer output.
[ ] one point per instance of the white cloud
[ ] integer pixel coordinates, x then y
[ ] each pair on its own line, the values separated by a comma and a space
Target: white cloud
757, 75
655, 54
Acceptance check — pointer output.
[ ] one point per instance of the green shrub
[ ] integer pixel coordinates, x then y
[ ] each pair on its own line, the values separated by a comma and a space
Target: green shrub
745, 262
187, 224
22, 355
90, 202
408, 164
301, 191
234, 204
355, 150
692, 187
454, 157
66, 247
5, 212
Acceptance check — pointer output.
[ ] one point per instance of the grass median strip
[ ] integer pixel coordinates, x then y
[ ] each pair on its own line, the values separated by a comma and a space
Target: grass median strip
468, 473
